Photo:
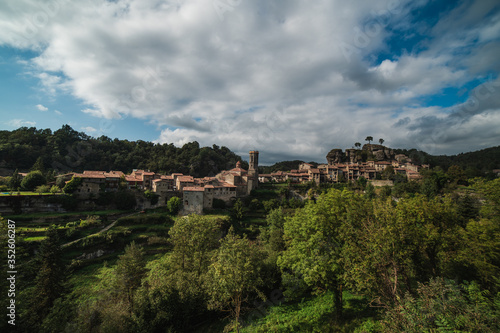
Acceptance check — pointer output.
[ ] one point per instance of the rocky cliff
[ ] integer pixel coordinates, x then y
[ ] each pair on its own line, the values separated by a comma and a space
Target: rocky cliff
367, 152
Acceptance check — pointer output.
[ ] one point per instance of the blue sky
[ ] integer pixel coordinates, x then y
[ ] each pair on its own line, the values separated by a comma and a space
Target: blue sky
292, 79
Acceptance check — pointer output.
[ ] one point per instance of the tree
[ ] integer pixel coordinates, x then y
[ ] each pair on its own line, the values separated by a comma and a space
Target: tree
174, 205
32, 180
370, 191
193, 238
313, 244
234, 275
442, 305
237, 211
456, 175
381, 141
390, 247
38, 166
49, 279
369, 139
15, 180
357, 145
130, 269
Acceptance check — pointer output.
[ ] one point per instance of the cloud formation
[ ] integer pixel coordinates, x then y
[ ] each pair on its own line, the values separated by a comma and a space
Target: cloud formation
42, 108
292, 79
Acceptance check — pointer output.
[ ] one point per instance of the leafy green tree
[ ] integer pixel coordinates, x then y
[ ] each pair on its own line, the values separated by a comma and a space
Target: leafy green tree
370, 191
381, 141
130, 269
477, 253
32, 180
369, 139
234, 275
273, 234
237, 211
357, 145
313, 245
456, 175
389, 248
174, 205
193, 238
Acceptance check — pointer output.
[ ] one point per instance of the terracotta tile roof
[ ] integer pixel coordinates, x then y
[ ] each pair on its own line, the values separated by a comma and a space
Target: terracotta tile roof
167, 177
90, 176
131, 178
193, 189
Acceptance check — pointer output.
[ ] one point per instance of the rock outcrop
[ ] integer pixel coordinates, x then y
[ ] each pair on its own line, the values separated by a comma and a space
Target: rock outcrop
367, 152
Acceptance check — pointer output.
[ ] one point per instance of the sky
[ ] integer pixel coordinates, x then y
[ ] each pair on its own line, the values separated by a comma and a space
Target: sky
292, 79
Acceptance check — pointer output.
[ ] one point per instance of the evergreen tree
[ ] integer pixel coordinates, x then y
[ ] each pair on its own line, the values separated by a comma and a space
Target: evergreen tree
38, 166
15, 180
48, 282
130, 269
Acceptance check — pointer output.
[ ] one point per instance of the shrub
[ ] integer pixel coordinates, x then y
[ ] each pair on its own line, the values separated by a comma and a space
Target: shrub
32, 180
72, 185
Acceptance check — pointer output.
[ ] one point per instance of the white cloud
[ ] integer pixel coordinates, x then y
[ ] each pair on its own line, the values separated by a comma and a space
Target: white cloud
89, 129
59, 113
41, 107
16, 123
270, 75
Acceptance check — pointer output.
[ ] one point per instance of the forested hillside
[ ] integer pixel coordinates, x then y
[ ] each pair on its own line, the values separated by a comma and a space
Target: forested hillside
477, 163
70, 150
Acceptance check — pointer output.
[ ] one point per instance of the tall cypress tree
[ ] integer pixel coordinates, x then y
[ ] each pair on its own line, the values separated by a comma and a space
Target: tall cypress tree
48, 281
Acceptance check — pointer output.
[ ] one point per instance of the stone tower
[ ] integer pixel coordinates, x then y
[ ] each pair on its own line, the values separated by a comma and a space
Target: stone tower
253, 171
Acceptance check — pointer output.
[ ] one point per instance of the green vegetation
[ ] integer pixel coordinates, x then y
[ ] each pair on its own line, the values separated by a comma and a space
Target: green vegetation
421, 256
65, 150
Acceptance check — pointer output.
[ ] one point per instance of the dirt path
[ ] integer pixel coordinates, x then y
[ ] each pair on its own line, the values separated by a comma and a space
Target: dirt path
111, 225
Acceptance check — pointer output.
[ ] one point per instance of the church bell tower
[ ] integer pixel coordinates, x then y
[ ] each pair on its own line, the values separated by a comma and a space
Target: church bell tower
253, 171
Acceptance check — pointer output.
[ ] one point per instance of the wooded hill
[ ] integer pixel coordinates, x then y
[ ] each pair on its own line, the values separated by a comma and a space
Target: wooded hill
69, 150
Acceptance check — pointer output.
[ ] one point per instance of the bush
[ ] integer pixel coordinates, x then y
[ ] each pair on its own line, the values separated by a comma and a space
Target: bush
91, 221
32, 180
55, 189
443, 305
42, 189
174, 205
72, 185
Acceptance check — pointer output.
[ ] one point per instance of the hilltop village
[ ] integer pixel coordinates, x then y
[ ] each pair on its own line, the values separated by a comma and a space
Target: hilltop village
197, 194
369, 162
